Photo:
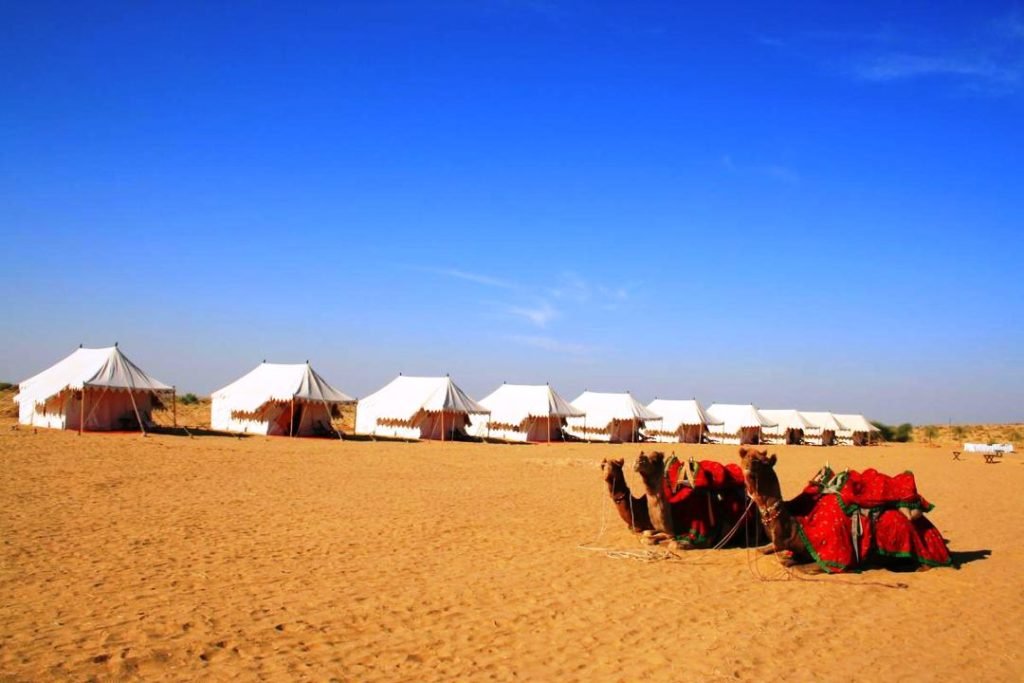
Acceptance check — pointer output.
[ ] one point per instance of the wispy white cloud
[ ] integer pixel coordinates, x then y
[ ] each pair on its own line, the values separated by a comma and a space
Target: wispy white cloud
540, 306
774, 171
618, 294
540, 314
769, 41
485, 280
575, 289
985, 58
551, 344
572, 287
895, 67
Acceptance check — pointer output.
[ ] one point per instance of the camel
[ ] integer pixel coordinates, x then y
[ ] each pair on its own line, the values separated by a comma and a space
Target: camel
891, 531
763, 487
632, 509
652, 470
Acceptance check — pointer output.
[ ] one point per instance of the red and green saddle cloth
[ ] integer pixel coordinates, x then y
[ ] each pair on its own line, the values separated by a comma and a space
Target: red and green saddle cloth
847, 518
707, 499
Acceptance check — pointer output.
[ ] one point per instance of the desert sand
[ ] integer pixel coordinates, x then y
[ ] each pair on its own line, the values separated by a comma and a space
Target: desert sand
272, 558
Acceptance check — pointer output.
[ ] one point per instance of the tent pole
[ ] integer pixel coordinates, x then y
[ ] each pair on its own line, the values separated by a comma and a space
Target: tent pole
442, 425
131, 395
291, 420
174, 402
81, 413
330, 422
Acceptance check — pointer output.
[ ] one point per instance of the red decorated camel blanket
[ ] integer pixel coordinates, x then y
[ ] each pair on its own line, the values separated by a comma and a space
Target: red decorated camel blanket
707, 498
846, 518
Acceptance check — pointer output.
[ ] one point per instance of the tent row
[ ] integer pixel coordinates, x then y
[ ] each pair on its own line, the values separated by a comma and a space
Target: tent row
101, 389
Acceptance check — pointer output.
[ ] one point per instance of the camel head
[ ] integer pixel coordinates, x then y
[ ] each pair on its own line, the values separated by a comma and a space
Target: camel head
759, 472
651, 467
612, 469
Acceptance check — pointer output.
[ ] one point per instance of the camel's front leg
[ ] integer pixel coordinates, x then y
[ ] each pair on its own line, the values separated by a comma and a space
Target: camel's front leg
655, 537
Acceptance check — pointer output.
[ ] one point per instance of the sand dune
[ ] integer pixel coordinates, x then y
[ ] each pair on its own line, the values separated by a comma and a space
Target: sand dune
173, 558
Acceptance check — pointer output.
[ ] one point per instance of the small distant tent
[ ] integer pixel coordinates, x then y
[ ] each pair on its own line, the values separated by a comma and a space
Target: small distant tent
91, 390
417, 408
822, 430
277, 399
523, 412
681, 421
616, 418
855, 430
789, 427
736, 423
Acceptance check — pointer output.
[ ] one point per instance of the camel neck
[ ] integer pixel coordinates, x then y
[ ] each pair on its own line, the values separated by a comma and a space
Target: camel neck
618, 486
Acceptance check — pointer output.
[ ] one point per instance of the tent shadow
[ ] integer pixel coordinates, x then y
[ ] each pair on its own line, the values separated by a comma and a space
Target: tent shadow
196, 432
370, 437
963, 557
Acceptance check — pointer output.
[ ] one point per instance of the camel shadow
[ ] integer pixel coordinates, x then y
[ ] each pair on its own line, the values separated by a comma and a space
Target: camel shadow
963, 557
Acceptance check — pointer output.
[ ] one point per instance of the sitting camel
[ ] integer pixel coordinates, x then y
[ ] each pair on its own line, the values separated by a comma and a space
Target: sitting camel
652, 470
764, 489
632, 510
841, 521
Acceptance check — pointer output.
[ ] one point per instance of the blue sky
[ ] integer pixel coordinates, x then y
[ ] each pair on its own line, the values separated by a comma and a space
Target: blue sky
797, 206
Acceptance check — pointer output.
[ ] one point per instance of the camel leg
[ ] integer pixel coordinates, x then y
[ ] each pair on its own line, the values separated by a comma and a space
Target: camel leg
655, 537
769, 549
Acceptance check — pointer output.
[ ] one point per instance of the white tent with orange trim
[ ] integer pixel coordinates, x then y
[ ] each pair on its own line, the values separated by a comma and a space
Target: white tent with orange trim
736, 423
854, 430
683, 421
789, 427
283, 399
417, 408
523, 412
616, 418
823, 428
91, 390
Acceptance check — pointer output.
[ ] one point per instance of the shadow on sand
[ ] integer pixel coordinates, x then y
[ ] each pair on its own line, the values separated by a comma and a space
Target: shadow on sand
963, 557
195, 432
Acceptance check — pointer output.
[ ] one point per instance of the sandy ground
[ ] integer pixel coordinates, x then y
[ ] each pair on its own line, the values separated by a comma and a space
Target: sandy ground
174, 558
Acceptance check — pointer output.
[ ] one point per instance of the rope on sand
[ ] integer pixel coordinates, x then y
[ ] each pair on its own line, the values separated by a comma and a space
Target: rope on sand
652, 554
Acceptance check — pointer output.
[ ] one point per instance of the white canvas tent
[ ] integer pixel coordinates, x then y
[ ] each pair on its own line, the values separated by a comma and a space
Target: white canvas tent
277, 399
616, 418
823, 428
417, 408
736, 423
91, 390
789, 427
855, 430
523, 412
681, 421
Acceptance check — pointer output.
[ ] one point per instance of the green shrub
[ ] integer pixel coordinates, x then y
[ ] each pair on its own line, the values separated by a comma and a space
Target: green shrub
189, 399
6, 385
900, 434
905, 433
